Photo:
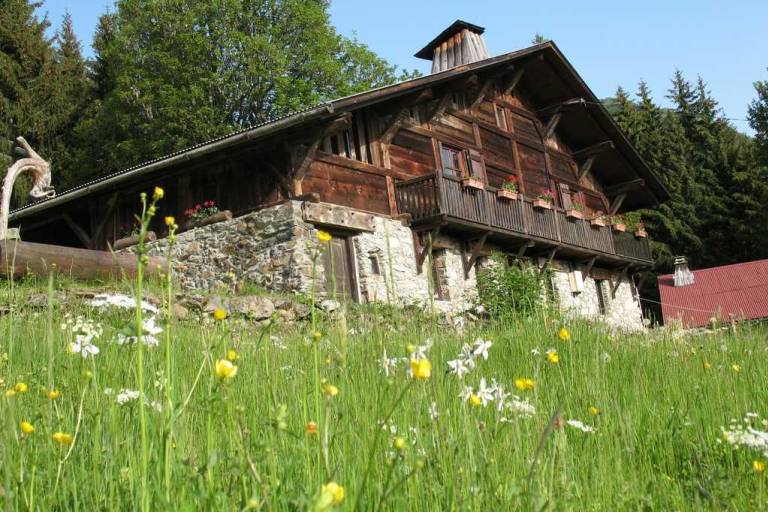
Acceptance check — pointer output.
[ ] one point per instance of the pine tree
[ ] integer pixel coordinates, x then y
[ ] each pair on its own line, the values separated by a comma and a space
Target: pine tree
758, 121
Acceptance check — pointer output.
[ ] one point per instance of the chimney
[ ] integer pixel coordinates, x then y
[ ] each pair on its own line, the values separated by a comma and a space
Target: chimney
461, 43
683, 276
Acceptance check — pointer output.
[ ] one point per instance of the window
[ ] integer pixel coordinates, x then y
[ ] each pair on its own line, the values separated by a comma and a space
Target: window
454, 161
603, 297
375, 268
501, 118
353, 142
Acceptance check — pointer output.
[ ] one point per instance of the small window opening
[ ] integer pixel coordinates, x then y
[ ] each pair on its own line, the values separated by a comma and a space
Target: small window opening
501, 119
440, 275
375, 268
601, 286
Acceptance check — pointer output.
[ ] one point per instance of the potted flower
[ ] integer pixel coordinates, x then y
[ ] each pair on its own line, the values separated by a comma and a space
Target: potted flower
473, 182
618, 223
640, 232
575, 211
599, 220
509, 189
130, 236
544, 201
205, 214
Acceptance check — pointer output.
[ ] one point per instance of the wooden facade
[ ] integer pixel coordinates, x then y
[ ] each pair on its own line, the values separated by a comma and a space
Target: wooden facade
404, 150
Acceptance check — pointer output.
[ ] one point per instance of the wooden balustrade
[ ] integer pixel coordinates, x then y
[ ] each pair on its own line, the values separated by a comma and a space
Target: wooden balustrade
435, 195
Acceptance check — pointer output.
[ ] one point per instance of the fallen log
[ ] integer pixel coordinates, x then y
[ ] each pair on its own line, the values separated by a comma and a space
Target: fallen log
17, 258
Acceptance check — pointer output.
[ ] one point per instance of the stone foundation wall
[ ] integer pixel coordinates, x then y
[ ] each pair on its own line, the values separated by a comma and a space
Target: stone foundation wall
274, 248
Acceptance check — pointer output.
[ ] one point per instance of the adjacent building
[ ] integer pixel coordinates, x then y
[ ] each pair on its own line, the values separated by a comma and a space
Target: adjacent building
407, 178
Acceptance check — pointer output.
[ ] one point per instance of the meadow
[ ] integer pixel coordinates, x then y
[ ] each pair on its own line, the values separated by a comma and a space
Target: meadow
526, 413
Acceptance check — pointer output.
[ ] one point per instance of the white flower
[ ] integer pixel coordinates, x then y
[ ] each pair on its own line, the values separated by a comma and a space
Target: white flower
481, 348
433, 413
83, 346
581, 426
459, 367
126, 395
746, 436
520, 407
606, 357
121, 301
484, 393
421, 351
466, 352
466, 392
388, 364
535, 352
149, 330
499, 395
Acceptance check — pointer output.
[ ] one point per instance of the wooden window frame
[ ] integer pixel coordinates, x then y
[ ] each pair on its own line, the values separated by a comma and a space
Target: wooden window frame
463, 161
501, 117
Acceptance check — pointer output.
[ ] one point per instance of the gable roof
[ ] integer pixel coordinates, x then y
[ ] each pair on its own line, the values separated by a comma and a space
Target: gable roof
738, 291
555, 81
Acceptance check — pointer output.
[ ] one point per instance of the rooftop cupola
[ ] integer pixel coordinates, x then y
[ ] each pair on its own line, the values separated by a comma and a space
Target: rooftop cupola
461, 43
683, 276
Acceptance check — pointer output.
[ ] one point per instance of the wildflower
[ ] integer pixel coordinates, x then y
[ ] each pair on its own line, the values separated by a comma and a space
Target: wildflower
220, 314
399, 443
332, 494
329, 389
119, 301
475, 400
758, 465
224, 369
83, 346
158, 193
10, 392
564, 335
324, 236
459, 367
21, 387
410, 348
170, 221
311, 428
552, 356
126, 395
421, 368
87, 374
525, 384
485, 393
54, 394
433, 413
28, 428
520, 408
232, 355
581, 426
388, 364
594, 411
707, 365
481, 348
62, 438
317, 336
736, 368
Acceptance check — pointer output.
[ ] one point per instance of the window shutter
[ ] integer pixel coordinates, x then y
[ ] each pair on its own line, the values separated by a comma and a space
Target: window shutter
476, 166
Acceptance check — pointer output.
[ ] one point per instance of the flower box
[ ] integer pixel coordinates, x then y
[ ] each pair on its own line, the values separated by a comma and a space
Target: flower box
128, 241
619, 227
598, 223
509, 195
212, 219
574, 214
641, 233
475, 183
542, 204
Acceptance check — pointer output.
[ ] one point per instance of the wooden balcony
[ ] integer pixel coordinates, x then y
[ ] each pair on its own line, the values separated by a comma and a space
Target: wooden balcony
436, 199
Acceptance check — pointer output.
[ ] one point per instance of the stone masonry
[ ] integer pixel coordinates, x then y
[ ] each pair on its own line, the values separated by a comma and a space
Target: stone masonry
274, 248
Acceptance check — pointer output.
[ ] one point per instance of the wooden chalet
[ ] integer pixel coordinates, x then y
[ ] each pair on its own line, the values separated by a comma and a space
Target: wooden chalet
432, 151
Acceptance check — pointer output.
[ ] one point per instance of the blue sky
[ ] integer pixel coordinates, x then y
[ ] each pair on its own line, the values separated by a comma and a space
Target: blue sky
610, 43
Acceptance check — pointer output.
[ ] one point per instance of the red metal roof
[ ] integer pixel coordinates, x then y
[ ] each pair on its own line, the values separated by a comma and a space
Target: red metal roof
729, 292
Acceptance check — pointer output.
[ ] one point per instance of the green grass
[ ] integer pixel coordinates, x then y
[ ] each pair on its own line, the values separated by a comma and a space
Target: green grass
242, 444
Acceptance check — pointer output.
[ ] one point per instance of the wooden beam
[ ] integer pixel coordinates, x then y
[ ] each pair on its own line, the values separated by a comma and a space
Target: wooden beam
475, 253
590, 264
585, 167
439, 107
616, 204
524, 247
301, 159
105, 217
559, 107
622, 188
510, 85
281, 178
550, 257
394, 124
423, 249
482, 92
77, 230
593, 150
549, 129
618, 282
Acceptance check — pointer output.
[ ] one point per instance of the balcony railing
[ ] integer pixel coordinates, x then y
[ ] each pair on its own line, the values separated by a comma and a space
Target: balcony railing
437, 197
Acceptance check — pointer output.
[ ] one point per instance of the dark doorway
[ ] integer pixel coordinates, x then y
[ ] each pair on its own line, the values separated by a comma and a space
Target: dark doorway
340, 273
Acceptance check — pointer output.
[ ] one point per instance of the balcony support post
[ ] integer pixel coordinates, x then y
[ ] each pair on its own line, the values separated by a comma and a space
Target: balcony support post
424, 247
590, 264
585, 167
616, 204
619, 280
474, 254
550, 257
524, 247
